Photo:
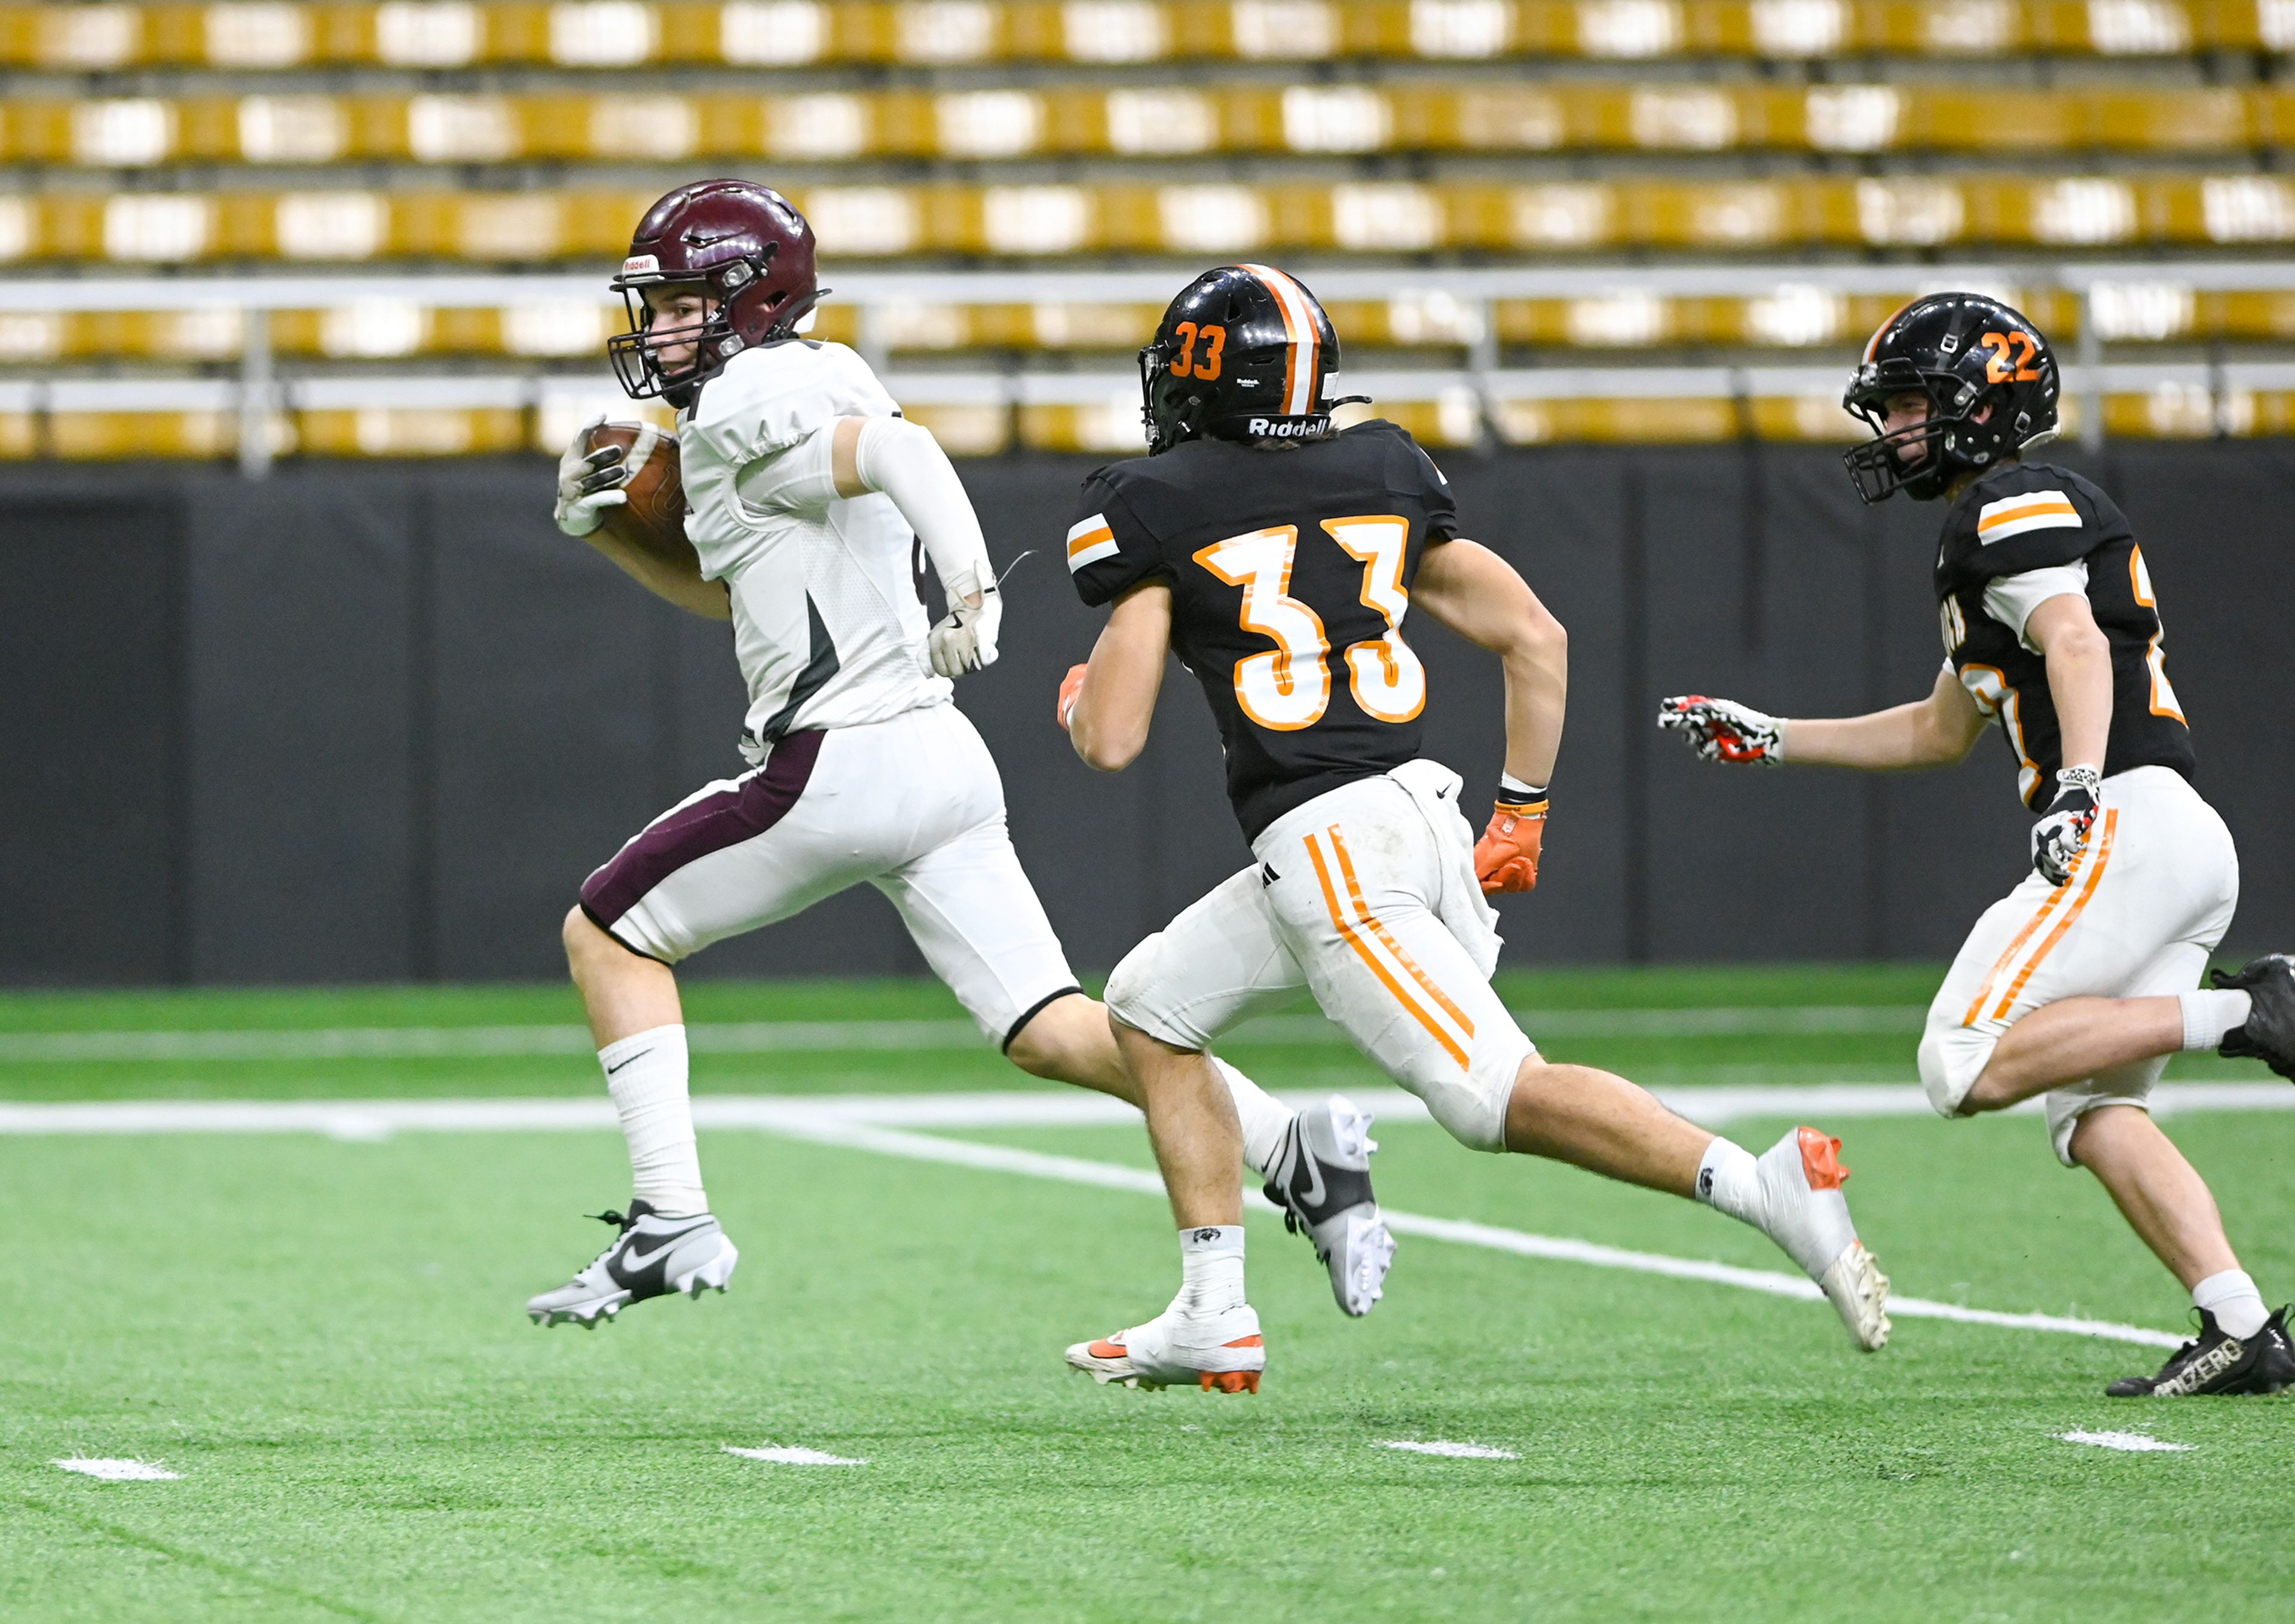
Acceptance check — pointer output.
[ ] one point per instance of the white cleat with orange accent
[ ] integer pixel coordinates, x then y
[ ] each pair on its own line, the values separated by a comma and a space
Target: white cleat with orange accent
1804, 1211
1218, 1350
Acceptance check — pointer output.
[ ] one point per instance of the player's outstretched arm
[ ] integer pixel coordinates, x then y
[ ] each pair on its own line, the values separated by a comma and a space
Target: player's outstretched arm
903, 460
1106, 705
1468, 588
1931, 732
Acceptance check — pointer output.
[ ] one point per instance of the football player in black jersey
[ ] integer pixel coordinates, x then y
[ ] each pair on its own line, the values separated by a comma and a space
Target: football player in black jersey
1277, 557
2080, 983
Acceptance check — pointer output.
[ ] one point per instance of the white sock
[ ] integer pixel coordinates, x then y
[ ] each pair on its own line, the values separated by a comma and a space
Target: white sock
2232, 1298
1263, 1116
2209, 1015
1728, 1182
645, 1073
1211, 1269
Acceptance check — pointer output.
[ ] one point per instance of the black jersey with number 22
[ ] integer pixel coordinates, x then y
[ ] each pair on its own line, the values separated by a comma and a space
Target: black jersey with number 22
2046, 528
1290, 571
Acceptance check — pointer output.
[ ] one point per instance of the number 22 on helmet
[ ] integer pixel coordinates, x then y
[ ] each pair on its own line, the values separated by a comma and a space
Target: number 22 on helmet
1989, 379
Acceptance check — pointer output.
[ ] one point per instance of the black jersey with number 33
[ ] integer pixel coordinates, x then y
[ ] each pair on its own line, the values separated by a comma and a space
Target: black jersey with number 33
1290, 570
2015, 535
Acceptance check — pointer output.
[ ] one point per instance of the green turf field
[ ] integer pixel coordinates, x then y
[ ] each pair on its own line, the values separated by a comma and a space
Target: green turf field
323, 1338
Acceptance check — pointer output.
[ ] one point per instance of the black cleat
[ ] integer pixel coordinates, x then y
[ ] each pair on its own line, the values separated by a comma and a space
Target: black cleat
2219, 1365
2268, 1032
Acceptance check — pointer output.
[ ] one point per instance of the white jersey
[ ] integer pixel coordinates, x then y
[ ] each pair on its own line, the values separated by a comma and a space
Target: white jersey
826, 623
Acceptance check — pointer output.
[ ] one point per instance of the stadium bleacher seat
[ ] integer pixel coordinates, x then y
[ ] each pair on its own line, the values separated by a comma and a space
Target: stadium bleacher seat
2083, 155
605, 34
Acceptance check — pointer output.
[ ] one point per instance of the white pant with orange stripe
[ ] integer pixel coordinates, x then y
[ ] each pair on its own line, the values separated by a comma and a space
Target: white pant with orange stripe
1366, 896
2150, 897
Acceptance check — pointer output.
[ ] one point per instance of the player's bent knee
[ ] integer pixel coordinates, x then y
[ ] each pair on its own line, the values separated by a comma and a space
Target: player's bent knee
1140, 998
1054, 1042
581, 935
1129, 978
1471, 1106
1952, 1058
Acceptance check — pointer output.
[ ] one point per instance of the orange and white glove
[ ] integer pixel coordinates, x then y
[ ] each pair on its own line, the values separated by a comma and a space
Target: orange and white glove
1506, 858
1071, 690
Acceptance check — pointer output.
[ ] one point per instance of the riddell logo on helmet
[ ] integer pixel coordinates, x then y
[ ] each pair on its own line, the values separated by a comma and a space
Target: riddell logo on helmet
638, 264
1288, 427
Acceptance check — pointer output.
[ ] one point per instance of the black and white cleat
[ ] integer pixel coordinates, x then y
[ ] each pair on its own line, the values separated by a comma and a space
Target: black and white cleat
2219, 1363
653, 1256
1321, 1177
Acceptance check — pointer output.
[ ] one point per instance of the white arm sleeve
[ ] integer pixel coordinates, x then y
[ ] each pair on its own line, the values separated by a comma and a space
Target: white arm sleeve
797, 479
902, 460
2011, 599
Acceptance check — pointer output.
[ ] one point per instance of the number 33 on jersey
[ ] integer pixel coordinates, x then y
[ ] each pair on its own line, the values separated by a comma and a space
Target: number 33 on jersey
1289, 586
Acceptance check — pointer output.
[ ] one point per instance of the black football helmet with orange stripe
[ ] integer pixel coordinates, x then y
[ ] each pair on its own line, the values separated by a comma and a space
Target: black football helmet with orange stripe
1990, 380
1241, 354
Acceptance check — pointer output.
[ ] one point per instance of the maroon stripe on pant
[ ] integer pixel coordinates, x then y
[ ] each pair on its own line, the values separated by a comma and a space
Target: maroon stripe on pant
748, 808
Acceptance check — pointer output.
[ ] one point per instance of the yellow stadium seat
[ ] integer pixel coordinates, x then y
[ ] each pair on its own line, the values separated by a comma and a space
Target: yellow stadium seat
606, 34
1050, 219
1149, 121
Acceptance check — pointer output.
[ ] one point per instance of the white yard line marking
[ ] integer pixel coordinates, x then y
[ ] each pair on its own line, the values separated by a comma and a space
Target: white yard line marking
1107, 1175
1457, 1451
868, 1123
376, 1119
120, 1471
2136, 1441
792, 1456
784, 1037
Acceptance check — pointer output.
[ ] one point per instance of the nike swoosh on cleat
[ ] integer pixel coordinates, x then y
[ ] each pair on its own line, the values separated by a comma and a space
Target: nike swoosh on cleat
635, 1259
1313, 1194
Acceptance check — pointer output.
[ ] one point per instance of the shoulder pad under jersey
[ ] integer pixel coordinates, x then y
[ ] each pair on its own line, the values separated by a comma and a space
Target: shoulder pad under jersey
768, 399
1109, 550
2024, 517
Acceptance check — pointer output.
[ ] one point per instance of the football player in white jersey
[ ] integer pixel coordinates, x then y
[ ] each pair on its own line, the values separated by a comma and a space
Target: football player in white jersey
2080, 983
805, 484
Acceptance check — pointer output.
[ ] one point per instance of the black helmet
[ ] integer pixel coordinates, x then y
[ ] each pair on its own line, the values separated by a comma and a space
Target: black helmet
1965, 353
1241, 354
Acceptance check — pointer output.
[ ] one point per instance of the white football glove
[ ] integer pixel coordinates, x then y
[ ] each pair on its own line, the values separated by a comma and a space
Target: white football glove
589, 483
2060, 835
1723, 730
966, 637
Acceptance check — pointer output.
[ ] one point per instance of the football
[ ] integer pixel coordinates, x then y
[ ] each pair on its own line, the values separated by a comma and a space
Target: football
653, 518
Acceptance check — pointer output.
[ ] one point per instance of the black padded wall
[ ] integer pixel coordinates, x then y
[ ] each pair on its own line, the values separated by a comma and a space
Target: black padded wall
377, 721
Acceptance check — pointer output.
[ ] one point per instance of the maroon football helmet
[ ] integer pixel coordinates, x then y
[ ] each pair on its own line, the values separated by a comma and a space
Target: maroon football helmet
741, 244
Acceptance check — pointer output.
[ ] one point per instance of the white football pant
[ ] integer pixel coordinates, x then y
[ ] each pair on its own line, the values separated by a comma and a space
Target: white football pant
1366, 896
2151, 898
912, 805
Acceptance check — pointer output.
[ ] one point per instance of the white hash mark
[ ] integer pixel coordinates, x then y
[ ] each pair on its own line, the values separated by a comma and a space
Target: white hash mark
793, 1456
1443, 1446
2120, 1441
120, 1471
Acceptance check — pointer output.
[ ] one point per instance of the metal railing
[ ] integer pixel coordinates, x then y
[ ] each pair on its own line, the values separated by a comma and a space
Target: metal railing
259, 391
